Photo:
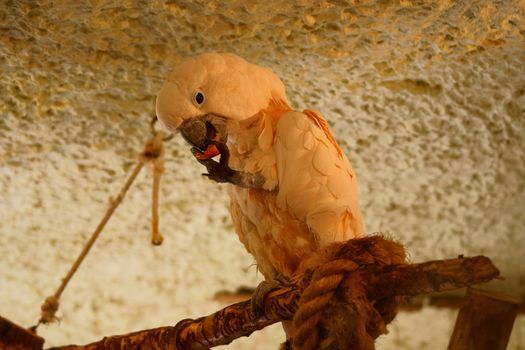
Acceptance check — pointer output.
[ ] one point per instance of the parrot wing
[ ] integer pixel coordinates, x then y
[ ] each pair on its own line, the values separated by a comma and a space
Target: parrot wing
316, 182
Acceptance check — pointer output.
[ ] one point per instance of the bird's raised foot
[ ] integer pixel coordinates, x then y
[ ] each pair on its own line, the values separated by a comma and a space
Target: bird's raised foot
222, 173
217, 171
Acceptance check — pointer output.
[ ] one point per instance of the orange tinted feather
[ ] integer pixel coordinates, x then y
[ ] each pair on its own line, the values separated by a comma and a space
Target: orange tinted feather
323, 125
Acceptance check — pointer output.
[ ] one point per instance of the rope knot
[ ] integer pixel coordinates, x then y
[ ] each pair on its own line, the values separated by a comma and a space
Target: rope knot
49, 309
335, 301
154, 148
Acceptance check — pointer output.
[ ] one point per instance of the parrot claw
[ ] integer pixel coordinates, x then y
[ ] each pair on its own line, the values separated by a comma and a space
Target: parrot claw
217, 172
263, 289
221, 172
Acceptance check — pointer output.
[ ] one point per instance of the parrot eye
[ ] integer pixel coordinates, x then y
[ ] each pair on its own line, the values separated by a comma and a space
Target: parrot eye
198, 98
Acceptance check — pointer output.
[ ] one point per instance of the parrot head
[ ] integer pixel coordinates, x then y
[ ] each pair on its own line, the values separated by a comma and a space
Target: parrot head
202, 94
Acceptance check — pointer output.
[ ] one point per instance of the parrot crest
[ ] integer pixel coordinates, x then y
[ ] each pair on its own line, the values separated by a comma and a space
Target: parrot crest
222, 84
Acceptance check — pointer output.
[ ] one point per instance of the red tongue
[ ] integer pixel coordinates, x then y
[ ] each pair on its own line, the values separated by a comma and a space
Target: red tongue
209, 153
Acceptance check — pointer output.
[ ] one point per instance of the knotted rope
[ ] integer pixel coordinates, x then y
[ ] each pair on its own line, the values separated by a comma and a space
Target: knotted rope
325, 281
324, 294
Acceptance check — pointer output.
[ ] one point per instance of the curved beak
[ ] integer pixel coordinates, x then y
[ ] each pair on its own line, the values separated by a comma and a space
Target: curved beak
204, 134
164, 106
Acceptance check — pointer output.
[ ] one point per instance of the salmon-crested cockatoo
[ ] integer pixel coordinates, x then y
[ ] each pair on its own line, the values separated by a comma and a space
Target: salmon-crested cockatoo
292, 189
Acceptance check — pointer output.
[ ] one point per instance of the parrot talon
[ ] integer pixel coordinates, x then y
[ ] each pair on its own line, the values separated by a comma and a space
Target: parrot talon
258, 296
217, 171
220, 171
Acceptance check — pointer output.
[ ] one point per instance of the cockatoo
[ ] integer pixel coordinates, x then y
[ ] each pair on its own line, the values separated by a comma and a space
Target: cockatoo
292, 189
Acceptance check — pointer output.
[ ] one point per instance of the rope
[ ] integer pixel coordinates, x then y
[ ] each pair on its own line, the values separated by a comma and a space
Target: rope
52, 303
340, 260
158, 168
153, 152
325, 281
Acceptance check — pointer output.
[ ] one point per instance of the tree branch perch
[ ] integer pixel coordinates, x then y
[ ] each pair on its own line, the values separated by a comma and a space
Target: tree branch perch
235, 321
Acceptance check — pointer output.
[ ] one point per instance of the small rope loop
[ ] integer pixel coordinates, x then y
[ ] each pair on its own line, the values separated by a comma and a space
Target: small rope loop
154, 148
154, 132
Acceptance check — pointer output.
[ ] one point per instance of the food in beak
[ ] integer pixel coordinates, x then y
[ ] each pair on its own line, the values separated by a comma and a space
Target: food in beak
208, 153
200, 133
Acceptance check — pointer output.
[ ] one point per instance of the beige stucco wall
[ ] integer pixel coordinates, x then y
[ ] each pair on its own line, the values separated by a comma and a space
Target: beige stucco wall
427, 98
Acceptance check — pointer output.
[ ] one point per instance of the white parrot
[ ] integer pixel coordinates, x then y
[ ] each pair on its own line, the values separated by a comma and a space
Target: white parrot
292, 189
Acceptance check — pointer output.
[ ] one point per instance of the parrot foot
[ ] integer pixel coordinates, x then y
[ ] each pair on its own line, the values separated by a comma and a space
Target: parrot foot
257, 300
221, 172
217, 171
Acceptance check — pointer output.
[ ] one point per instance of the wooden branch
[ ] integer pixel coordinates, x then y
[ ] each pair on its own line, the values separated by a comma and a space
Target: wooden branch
431, 276
484, 321
235, 321
14, 337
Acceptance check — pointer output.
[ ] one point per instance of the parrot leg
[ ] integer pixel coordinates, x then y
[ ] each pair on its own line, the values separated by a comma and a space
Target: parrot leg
265, 287
208, 136
257, 305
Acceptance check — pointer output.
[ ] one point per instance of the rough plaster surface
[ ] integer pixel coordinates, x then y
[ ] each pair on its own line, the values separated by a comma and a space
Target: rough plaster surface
426, 97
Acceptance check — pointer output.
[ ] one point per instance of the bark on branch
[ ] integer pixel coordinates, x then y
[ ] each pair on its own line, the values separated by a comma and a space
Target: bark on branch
235, 321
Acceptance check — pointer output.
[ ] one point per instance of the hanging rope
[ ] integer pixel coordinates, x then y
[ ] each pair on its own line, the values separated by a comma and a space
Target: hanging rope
153, 152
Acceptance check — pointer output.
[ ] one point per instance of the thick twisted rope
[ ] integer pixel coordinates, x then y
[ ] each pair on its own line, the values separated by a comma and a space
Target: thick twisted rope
325, 281
344, 258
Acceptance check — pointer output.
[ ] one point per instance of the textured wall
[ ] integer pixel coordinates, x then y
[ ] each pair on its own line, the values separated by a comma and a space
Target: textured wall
426, 97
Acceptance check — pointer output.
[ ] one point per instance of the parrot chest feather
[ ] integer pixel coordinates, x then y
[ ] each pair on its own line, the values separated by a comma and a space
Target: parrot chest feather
251, 145
278, 241
309, 198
